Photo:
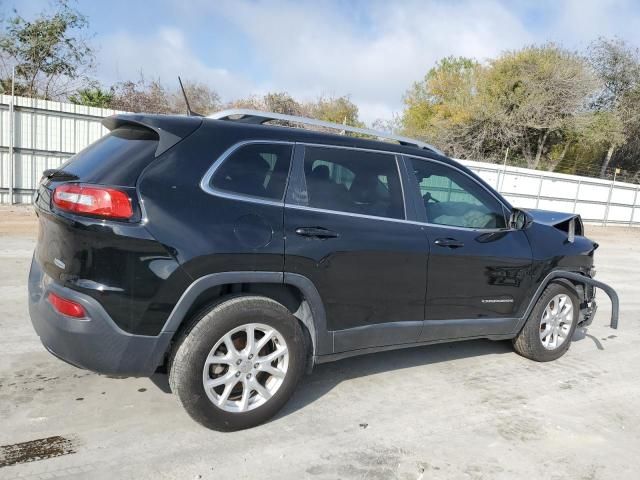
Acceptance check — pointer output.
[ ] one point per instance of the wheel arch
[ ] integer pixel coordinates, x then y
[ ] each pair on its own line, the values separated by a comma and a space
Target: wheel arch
571, 279
296, 292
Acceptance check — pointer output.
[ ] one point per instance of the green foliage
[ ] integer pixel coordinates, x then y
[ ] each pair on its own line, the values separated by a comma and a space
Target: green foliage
49, 54
92, 97
336, 110
544, 103
547, 106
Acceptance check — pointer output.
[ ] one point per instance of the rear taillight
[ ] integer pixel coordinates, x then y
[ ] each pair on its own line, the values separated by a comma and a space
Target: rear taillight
93, 200
66, 307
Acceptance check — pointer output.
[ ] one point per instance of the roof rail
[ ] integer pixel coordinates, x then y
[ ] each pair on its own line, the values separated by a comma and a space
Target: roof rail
258, 117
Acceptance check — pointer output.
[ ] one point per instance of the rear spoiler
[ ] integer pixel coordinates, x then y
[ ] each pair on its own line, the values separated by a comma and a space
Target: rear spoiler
170, 129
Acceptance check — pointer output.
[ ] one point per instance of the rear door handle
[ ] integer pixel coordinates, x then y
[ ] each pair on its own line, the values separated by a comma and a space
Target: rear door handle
449, 242
316, 232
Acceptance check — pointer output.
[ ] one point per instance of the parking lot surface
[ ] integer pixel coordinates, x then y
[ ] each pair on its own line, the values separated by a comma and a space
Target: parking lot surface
460, 410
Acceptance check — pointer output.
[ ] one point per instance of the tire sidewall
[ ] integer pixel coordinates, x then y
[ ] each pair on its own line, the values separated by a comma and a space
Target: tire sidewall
188, 363
532, 328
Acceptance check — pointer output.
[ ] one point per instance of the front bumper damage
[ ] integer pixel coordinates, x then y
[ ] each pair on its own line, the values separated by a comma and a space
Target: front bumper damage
591, 307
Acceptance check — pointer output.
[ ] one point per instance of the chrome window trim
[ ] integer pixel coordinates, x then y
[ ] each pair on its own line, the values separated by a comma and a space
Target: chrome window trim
464, 173
396, 159
396, 220
204, 185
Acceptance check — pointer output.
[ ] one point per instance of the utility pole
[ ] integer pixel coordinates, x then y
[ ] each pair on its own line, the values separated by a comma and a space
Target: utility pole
504, 170
11, 135
613, 182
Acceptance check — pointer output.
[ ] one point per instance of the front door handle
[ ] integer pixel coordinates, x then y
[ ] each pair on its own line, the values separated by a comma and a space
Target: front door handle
316, 232
449, 242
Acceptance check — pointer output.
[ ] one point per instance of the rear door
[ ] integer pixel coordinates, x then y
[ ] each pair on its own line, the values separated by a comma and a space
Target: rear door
478, 271
346, 231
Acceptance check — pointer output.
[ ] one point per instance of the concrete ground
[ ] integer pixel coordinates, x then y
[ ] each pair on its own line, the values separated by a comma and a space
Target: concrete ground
462, 410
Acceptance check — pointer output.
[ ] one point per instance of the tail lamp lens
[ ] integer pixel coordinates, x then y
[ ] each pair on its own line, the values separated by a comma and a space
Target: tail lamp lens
93, 200
66, 307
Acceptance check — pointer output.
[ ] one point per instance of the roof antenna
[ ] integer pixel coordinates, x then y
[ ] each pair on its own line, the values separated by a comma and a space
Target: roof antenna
190, 112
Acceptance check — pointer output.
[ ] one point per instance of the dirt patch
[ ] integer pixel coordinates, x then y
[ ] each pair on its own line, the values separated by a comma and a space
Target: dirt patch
18, 220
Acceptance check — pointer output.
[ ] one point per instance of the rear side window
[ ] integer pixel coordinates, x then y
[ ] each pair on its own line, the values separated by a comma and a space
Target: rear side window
353, 181
259, 170
116, 159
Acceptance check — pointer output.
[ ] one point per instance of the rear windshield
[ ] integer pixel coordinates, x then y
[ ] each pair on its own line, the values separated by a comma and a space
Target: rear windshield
116, 159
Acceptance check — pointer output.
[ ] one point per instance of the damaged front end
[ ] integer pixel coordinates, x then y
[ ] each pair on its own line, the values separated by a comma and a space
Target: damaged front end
564, 254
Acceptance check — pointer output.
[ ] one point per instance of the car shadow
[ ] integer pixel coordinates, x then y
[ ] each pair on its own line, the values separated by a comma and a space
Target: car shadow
327, 376
581, 334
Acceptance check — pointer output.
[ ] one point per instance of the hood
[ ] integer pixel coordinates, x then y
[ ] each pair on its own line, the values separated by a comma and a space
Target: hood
560, 220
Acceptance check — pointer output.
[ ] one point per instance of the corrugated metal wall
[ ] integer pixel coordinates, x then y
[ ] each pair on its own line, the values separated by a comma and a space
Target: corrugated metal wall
596, 200
47, 133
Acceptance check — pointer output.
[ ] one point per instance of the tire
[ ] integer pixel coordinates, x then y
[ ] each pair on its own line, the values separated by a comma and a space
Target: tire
224, 326
533, 341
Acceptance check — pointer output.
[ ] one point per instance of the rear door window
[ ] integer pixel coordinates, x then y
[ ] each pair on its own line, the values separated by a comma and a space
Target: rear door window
353, 181
258, 170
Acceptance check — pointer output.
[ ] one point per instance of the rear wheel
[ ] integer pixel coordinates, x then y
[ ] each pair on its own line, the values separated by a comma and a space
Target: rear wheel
239, 364
547, 334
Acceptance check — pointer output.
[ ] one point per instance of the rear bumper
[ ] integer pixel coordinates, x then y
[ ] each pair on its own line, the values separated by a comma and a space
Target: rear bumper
96, 343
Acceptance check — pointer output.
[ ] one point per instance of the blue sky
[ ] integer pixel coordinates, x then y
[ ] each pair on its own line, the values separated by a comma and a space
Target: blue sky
371, 50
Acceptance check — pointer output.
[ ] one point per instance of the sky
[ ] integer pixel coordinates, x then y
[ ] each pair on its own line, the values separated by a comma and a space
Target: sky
370, 50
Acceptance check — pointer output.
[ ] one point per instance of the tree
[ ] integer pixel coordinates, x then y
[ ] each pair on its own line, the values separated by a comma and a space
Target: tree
538, 90
151, 96
50, 54
336, 110
329, 109
141, 96
202, 99
441, 107
617, 65
93, 97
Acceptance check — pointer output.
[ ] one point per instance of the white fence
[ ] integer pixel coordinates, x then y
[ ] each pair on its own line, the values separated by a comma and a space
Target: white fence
39, 135
46, 133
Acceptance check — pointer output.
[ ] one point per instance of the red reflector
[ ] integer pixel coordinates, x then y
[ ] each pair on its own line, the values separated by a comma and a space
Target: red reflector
94, 200
66, 307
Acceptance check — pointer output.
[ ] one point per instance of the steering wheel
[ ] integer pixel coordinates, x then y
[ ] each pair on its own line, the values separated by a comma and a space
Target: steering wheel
428, 198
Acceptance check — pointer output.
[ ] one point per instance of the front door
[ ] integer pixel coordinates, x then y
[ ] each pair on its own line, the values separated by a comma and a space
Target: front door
478, 274
345, 231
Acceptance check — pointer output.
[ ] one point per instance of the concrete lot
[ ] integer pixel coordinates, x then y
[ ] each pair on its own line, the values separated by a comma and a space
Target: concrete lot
463, 410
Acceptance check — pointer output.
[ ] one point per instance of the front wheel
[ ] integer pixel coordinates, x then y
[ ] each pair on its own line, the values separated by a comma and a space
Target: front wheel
239, 364
547, 334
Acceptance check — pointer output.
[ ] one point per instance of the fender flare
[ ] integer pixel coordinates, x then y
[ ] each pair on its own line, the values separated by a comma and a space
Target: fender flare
322, 340
579, 278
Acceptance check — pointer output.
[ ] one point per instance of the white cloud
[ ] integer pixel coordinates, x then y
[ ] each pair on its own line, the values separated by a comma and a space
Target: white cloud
371, 50
578, 22
164, 55
313, 49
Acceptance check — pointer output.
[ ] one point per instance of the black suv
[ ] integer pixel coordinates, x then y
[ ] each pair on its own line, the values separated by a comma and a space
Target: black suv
236, 255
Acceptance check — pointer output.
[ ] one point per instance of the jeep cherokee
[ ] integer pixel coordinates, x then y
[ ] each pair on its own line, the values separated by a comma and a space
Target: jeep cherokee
236, 255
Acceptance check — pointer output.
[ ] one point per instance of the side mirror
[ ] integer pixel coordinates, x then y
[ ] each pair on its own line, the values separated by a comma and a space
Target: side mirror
518, 220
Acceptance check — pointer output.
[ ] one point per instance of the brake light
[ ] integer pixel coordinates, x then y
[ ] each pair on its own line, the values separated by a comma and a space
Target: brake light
66, 307
93, 200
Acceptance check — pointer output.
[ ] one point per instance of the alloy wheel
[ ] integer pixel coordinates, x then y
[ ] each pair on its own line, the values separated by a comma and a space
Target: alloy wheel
556, 322
245, 368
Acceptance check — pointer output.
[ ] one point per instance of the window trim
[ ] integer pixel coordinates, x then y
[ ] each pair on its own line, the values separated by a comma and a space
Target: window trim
403, 172
205, 183
422, 212
393, 155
